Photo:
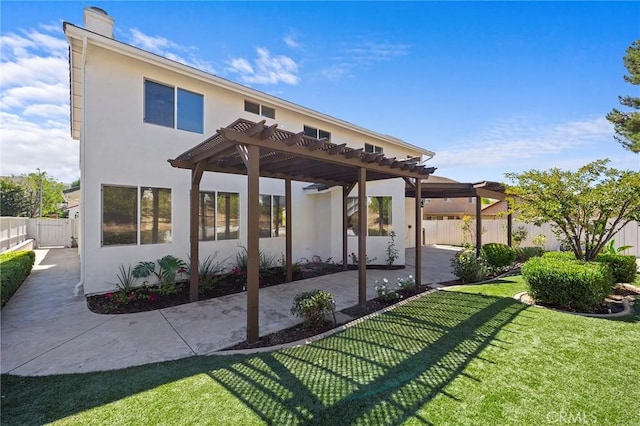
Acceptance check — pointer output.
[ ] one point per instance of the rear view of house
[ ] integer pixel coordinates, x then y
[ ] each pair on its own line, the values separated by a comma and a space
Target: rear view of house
132, 111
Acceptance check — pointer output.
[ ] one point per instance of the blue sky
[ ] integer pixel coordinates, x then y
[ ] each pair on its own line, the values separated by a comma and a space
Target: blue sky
490, 87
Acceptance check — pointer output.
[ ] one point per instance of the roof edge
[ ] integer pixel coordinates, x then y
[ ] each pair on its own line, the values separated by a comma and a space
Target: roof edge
74, 31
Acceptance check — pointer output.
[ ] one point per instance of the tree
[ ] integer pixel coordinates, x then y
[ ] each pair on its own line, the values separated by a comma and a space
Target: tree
627, 124
585, 208
22, 195
12, 199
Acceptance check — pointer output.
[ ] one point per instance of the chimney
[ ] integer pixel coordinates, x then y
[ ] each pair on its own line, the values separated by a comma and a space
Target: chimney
98, 21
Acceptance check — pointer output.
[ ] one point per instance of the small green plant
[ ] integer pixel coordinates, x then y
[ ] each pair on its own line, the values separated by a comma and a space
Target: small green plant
392, 250
498, 255
313, 306
611, 248
384, 292
354, 259
126, 280
467, 267
265, 260
518, 236
209, 270
568, 284
168, 268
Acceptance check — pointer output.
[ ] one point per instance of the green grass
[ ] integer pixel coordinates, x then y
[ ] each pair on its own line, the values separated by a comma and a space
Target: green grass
468, 356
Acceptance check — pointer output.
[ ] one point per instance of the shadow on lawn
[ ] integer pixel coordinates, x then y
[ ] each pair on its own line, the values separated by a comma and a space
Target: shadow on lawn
381, 371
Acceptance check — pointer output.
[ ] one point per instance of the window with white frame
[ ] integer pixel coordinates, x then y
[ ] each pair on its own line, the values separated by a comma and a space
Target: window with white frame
379, 221
273, 216
173, 107
257, 108
373, 148
135, 215
219, 217
316, 133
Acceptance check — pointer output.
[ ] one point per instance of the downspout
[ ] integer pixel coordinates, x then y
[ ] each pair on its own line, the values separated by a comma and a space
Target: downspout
83, 184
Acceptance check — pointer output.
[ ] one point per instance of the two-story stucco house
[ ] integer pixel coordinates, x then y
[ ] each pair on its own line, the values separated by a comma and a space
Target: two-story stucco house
132, 111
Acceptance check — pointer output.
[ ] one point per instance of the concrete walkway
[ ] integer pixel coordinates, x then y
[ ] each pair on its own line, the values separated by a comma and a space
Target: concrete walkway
46, 330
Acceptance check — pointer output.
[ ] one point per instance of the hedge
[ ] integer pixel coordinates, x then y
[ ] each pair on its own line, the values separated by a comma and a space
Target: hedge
572, 285
15, 267
525, 253
498, 255
624, 267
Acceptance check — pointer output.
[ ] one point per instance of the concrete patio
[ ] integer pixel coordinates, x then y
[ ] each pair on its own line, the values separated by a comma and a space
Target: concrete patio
46, 330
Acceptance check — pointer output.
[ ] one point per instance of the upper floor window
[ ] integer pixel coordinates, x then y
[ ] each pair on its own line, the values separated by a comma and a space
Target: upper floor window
316, 133
165, 105
372, 148
259, 109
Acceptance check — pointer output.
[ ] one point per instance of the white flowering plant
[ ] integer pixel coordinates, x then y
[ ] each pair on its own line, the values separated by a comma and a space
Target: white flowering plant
385, 292
406, 283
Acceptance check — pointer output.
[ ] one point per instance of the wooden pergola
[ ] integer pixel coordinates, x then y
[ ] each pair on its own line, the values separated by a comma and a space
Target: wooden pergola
257, 150
478, 190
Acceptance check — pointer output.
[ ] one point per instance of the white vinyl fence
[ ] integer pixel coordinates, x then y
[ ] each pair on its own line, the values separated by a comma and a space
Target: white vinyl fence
13, 231
495, 231
45, 232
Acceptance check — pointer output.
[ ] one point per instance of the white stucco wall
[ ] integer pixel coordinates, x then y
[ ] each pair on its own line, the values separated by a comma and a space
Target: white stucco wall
118, 148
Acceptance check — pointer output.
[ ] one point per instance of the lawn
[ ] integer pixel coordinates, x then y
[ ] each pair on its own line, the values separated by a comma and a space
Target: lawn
471, 355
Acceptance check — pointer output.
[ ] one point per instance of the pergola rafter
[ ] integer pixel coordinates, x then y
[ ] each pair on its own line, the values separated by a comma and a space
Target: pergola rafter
257, 150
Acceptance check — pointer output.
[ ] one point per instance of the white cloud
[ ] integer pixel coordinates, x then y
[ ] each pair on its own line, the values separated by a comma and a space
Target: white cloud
351, 56
27, 145
34, 115
162, 46
290, 40
266, 69
519, 144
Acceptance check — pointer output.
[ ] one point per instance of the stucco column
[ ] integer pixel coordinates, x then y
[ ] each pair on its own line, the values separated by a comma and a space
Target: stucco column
418, 231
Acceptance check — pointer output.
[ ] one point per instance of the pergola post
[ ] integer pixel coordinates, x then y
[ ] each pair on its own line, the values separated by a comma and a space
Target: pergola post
253, 242
478, 225
345, 227
194, 275
509, 226
362, 236
418, 231
288, 232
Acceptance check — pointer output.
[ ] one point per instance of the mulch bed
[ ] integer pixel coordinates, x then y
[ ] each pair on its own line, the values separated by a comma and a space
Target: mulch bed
300, 332
149, 298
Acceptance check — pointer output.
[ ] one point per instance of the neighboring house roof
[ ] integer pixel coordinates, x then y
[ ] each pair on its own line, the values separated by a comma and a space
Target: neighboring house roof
79, 37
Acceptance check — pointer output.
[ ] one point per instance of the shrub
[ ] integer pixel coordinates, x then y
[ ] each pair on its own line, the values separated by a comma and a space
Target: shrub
392, 250
169, 267
384, 292
126, 280
467, 267
623, 267
571, 285
16, 266
408, 283
312, 307
498, 255
559, 255
525, 253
